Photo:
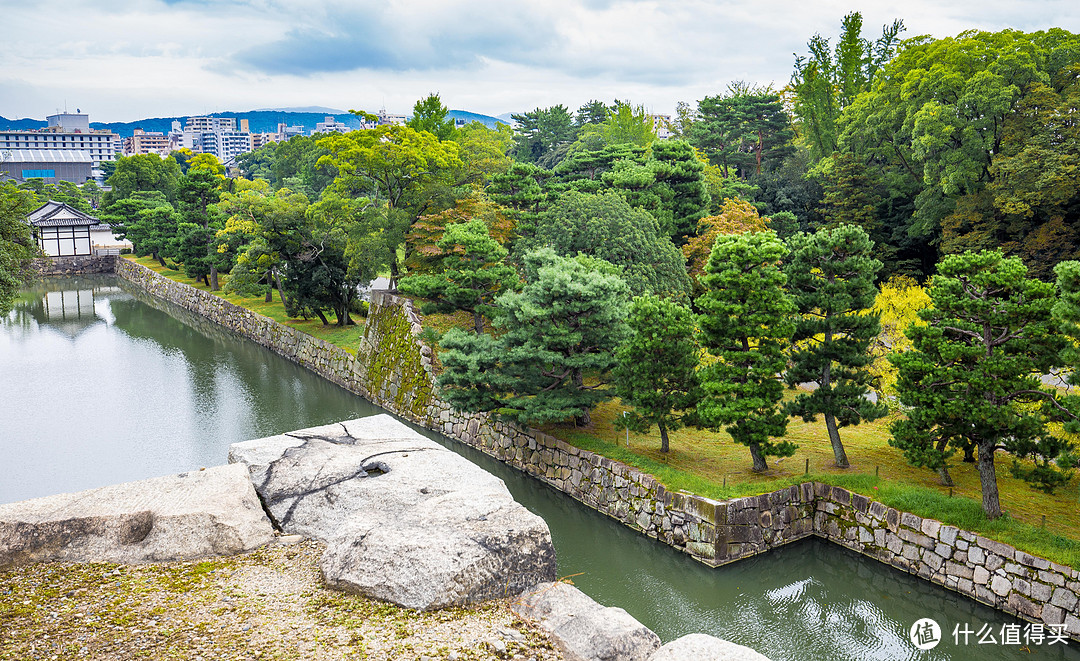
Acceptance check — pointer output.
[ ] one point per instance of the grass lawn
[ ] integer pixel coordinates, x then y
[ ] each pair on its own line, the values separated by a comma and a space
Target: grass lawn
347, 338
711, 464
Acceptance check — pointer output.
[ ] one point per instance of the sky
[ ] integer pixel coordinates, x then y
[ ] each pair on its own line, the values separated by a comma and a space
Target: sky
123, 60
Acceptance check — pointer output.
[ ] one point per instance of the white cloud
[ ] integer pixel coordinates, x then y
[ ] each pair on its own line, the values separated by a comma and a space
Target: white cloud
136, 58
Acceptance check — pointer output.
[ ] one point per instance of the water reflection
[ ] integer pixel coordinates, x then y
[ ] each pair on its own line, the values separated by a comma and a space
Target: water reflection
110, 390
68, 306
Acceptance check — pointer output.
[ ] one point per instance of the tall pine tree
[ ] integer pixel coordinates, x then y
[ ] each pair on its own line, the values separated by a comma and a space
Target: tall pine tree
747, 325
831, 278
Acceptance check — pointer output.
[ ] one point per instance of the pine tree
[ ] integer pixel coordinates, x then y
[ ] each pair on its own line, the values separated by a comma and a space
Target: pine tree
474, 273
831, 278
656, 367
555, 348
975, 369
747, 325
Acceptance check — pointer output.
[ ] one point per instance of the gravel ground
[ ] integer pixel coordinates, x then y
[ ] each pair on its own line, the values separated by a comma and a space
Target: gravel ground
268, 604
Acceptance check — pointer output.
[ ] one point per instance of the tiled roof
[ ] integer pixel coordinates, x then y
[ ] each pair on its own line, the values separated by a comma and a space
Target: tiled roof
54, 214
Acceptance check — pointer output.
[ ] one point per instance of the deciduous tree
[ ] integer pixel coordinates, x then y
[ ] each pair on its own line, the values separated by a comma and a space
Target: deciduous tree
17, 245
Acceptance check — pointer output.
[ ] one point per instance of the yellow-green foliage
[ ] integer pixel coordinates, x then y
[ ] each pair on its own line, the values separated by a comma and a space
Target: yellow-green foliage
898, 303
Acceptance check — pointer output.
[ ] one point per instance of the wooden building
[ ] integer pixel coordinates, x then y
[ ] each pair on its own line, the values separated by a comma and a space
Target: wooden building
62, 231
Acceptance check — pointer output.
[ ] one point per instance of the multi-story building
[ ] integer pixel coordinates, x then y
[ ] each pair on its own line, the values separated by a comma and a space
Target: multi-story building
143, 142
330, 125
284, 131
67, 132
218, 136
387, 118
259, 140
661, 126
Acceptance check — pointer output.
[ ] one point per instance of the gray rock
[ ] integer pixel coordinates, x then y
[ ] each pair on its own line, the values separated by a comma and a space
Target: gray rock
404, 519
699, 647
178, 517
584, 630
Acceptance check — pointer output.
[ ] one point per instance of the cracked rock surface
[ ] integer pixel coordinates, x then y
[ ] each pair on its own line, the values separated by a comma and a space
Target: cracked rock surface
178, 517
404, 519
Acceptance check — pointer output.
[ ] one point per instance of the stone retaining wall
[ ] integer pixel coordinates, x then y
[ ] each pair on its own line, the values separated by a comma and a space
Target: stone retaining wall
85, 265
393, 369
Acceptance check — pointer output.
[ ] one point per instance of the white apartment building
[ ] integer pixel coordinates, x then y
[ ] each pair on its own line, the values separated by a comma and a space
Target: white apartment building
330, 125
218, 136
67, 131
661, 126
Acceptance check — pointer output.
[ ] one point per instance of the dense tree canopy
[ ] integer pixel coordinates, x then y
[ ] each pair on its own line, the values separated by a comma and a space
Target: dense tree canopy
17, 244
606, 227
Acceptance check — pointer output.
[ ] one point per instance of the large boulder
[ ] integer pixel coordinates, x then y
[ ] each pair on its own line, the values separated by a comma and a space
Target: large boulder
699, 647
584, 630
179, 517
404, 519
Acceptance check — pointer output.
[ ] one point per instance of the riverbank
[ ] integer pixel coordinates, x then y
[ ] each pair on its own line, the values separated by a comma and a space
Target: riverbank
268, 604
393, 368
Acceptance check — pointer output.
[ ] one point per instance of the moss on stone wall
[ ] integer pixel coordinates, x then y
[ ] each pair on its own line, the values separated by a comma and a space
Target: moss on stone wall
395, 366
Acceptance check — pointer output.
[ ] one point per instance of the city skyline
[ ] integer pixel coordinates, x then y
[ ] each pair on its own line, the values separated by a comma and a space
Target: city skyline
145, 58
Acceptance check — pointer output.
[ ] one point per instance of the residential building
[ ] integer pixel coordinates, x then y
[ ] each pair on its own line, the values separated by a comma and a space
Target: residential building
142, 142
52, 165
330, 125
218, 136
662, 126
259, 140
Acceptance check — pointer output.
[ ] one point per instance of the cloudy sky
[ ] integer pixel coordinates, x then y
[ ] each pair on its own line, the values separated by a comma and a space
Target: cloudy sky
122, 60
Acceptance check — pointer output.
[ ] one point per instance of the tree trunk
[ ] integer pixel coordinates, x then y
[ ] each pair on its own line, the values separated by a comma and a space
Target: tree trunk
946, 479
834, 438
478, 323
269, 294
322, 317
988, 481
969, 454
664, 447
830, 420
760, 465
160, 259
393, 273
213, 278
584, 419
206, 281
281, 292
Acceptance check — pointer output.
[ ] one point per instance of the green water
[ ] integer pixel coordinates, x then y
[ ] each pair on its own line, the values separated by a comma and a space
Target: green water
102, 384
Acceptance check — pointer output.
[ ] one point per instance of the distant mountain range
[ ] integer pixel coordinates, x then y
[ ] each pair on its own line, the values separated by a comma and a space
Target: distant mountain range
259, 121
